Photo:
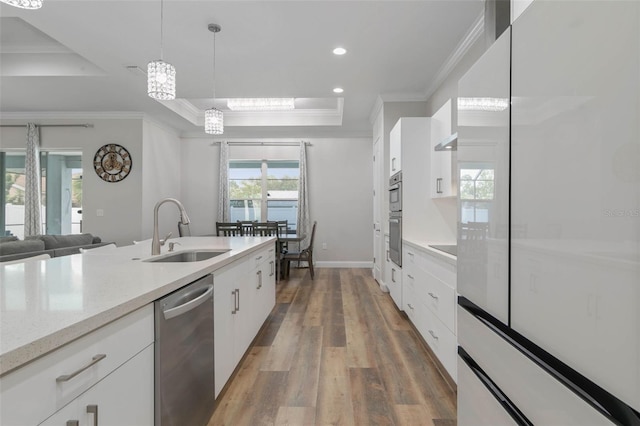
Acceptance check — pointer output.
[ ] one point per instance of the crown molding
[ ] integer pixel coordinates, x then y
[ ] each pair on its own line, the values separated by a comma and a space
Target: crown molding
474, 33
72, 115
393, 97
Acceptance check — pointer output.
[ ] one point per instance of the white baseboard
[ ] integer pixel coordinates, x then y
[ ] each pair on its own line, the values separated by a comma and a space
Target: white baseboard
343, 264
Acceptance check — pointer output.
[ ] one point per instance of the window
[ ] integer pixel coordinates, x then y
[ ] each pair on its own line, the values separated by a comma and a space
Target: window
476, 194
264, 190
61, 187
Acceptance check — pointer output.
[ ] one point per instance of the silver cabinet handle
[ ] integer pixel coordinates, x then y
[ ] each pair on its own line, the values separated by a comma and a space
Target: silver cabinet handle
238, 299
433, 334
259, 273
73, 423
93, 409
235, 301
388, 259
66, 377
393, 275
273, 268
439, 185
433, 295
410, 276
258, 258
393, 164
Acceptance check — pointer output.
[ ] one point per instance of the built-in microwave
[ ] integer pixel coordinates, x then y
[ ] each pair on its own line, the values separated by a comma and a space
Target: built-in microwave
395, 193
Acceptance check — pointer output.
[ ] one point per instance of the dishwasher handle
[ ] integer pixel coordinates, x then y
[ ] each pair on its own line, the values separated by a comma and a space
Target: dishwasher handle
192, 304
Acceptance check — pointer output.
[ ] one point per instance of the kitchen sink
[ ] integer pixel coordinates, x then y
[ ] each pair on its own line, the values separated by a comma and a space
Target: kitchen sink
188, 256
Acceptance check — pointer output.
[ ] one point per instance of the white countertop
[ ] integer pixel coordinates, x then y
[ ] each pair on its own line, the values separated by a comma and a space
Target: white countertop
45, 304
424, 245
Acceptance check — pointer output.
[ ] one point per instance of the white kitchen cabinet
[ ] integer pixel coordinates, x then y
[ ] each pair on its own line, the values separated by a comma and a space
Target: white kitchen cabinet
36, 391
125, 396
244, 295
387, 263
443, 174
264, 285
232, 290
429, 299
395, 285
395, 149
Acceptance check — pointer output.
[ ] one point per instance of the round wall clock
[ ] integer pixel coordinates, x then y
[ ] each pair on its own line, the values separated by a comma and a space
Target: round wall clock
112, 162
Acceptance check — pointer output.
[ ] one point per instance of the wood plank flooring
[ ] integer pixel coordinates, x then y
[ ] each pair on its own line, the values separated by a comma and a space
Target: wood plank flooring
335, 351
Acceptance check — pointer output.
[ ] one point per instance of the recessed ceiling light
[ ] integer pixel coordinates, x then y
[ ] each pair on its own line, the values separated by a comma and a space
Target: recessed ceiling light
338, 90
339, 51
260, 104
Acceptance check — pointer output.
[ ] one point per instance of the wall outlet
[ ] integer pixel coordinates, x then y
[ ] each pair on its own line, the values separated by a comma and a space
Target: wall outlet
324, 246
99, 212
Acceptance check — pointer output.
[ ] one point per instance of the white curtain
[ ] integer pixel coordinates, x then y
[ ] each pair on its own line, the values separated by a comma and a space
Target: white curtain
32, 193
303, 198
223, 191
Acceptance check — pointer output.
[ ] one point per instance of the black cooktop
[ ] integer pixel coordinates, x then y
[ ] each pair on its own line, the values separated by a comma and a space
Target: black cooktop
450, 249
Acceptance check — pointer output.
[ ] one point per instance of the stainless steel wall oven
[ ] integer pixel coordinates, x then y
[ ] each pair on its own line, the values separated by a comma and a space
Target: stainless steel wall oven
395, 218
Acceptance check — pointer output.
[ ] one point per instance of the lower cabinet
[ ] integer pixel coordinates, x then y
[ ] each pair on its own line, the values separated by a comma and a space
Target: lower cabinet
244, 295
109, 371
123, 397
429, 300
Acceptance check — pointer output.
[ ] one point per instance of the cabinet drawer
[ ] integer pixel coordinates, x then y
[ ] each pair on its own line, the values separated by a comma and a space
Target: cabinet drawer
441, 340
439, 269
476, 405
540, 397
31, 394
441, 299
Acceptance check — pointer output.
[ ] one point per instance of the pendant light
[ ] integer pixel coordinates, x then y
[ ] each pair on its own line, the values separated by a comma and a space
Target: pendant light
24, 4
161, 75
213, 119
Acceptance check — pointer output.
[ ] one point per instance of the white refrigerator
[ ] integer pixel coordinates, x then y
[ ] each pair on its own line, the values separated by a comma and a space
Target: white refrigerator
549, 220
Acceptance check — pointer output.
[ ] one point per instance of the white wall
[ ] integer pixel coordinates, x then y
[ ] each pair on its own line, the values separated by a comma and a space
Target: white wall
120, 201
340, 191
161, 178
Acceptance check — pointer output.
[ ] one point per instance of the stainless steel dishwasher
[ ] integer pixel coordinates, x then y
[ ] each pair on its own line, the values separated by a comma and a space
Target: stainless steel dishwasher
184, 371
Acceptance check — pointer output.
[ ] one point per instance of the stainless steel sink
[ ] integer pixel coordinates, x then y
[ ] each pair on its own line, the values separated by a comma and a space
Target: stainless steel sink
188, 256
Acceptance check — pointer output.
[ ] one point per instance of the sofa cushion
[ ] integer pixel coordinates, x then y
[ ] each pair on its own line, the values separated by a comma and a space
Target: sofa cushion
26, 246
61, 241
7, 238
66, 251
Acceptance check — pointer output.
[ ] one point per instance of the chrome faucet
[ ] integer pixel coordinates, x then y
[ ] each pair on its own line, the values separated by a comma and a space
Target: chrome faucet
184, 219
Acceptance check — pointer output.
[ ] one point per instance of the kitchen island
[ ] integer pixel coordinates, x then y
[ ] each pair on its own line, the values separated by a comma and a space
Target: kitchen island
48, 306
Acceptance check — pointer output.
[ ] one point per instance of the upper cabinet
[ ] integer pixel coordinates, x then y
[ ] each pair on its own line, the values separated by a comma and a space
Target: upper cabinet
395, 149
443, 178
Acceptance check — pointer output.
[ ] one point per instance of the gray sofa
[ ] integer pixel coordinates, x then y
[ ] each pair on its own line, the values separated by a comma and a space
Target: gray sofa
11, 248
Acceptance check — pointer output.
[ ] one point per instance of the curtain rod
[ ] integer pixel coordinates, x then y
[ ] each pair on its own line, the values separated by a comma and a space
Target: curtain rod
264, 143
86, 125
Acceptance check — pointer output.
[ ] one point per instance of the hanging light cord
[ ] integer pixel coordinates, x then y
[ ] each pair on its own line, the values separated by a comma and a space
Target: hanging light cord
161, 33
214, 66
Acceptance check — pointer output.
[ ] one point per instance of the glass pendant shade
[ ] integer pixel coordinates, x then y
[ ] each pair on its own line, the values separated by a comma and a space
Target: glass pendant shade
24, 4
213, 122
161, 80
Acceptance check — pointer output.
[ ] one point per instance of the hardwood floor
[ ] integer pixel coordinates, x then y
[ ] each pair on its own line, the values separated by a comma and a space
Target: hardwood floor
335, 351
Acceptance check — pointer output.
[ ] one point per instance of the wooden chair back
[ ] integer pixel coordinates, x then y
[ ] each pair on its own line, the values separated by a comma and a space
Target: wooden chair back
265, 229
228, 229
246, 227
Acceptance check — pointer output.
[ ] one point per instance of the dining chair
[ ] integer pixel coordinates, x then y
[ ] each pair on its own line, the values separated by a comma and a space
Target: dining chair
265, 229
228, 229
304, 255
246, 227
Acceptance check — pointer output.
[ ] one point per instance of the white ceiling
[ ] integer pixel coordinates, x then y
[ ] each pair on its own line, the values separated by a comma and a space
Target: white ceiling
72, 56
